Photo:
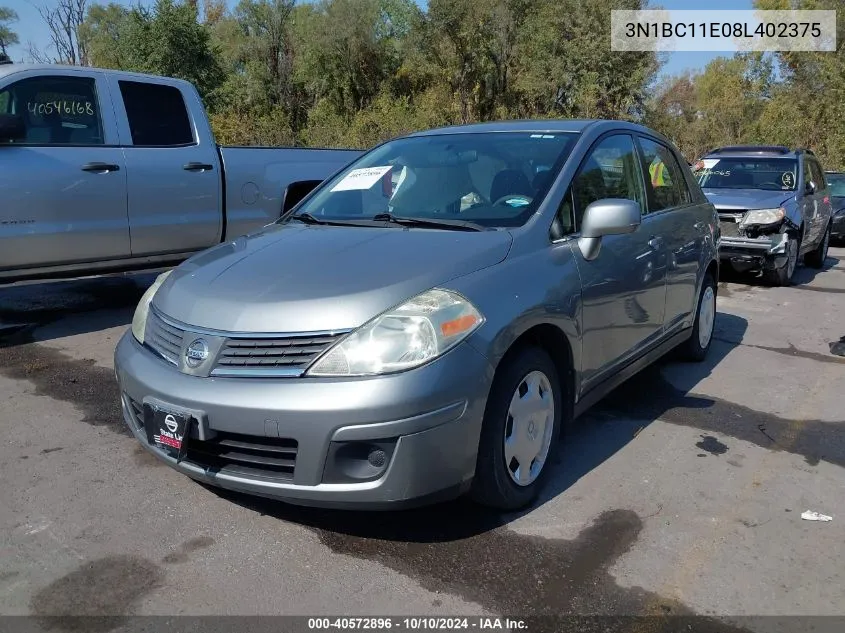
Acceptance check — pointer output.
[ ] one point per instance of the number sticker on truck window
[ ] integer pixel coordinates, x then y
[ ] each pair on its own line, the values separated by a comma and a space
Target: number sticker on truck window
363, 178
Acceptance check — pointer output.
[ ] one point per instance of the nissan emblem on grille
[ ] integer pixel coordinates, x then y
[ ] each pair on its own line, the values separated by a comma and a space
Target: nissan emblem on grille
196, 353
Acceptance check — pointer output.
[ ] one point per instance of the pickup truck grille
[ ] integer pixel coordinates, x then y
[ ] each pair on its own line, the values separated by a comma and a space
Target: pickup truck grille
244, 355
257, 354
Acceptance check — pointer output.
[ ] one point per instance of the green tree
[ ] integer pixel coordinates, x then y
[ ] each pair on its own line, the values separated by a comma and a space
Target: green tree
166, 39
7, 36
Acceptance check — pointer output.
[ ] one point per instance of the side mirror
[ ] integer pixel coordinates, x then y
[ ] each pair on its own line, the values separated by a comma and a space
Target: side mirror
610, 216
12, 128
810, 188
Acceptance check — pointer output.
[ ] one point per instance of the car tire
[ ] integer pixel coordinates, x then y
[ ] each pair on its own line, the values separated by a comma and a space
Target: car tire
782, 275
698, 344
817, 257
529, 375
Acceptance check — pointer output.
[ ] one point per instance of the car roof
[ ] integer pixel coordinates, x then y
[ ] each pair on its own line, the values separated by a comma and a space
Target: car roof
533, 125
8, 69
778, 151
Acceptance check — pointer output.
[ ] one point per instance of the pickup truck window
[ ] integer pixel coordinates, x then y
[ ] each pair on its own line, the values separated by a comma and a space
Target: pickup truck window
55, 110
157, 114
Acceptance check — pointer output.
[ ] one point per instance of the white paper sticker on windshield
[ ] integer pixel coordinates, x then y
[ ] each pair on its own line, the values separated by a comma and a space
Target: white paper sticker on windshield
707, 163
363, 178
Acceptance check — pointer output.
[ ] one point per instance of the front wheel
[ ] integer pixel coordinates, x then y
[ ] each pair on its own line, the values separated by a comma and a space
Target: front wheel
697, 345
521, 427
817, 257
782, 275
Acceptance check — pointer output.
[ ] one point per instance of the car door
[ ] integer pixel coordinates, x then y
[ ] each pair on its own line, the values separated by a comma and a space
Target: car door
623, 289
174, 174
821, 196
63, 185
674, 218
809, 204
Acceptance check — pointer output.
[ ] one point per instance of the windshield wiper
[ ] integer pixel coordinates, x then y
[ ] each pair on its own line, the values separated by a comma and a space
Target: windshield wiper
307, 218
455, 225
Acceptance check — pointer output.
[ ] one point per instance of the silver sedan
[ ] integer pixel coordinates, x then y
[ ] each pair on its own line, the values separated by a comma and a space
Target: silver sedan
430, 320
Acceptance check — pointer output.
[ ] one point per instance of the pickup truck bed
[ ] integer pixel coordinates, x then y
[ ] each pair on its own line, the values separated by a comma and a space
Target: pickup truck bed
106, 171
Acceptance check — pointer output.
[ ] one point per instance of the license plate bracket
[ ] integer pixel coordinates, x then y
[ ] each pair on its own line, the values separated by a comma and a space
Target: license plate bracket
168, 429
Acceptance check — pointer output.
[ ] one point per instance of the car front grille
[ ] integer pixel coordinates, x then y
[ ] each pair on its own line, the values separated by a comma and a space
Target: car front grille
256, 354
163, 337
255, 457
729, 222
242, 355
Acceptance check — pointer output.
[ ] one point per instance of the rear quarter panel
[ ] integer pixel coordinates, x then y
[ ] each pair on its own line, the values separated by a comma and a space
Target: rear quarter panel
256, 179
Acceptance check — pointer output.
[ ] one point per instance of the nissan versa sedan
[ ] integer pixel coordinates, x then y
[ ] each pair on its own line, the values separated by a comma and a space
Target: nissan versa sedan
428, 321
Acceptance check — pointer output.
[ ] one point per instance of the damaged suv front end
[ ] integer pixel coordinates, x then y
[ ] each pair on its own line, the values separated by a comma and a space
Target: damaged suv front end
757, 239
773, 206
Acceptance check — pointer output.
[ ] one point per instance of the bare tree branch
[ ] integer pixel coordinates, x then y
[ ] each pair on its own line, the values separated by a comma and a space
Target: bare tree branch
63, 21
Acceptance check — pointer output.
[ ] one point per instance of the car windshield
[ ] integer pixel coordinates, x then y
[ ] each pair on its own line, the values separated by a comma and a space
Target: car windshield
837, 185
770, 174
491, 179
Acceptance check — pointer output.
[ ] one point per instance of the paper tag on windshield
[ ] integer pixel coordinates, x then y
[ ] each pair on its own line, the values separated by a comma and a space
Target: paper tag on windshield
363, 178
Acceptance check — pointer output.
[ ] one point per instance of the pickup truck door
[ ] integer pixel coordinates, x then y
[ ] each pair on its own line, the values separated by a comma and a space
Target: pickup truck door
62, 186
174, 172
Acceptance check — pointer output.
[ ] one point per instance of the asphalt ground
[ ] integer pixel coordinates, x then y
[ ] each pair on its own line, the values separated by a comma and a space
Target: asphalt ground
681, 493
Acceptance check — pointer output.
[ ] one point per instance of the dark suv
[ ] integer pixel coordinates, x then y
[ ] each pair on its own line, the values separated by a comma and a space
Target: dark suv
774, 206
836, 180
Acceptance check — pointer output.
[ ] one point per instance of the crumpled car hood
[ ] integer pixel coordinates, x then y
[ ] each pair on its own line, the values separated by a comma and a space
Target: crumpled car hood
747, 198
300, 278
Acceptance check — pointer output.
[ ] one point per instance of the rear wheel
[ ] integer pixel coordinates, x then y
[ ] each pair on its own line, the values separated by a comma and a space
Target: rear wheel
520, 431
697, 345
817, 257
782, 275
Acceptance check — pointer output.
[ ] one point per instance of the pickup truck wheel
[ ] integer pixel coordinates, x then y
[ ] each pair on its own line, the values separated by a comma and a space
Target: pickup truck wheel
782, 275
520, 431
817, 257
698, 344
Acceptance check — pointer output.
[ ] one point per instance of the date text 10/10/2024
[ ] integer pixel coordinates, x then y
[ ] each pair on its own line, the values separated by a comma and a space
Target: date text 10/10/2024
416, 623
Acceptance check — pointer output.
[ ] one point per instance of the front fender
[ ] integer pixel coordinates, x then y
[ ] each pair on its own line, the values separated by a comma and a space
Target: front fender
536, 288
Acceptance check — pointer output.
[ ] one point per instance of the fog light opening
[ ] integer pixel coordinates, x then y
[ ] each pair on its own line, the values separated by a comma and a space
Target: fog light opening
358, 462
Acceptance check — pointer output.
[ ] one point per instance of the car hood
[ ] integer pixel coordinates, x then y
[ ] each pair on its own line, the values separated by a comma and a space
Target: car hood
298, 278
748, 198
838, 202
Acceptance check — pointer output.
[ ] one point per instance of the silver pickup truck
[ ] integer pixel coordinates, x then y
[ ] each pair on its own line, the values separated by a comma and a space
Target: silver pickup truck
104, 171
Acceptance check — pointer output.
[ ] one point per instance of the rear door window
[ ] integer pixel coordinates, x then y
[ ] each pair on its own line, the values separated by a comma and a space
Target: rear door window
664, 178
818, 174
158, 116
56, 110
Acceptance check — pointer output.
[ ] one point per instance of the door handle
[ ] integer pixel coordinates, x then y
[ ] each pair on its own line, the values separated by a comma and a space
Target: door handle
656, 243
96, 167
197, 167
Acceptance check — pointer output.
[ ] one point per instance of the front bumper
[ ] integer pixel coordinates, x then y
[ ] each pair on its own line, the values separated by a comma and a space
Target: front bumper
749, 252
430, 416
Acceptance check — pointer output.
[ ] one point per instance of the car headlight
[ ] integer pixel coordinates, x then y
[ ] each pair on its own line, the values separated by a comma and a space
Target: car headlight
139, 320
404, 337
764, 216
